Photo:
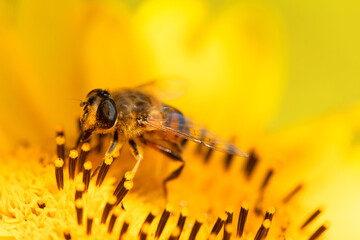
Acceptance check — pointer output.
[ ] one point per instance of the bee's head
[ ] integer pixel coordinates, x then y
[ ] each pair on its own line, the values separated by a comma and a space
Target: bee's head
99, 112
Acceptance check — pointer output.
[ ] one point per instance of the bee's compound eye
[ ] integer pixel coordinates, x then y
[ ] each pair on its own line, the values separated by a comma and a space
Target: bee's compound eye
106, 114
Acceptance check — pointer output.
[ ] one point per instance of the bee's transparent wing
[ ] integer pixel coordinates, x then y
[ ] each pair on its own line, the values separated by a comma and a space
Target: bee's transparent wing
192, 131
163, 89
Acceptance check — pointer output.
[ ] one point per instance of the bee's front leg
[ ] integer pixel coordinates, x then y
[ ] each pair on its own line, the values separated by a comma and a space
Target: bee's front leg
136, 150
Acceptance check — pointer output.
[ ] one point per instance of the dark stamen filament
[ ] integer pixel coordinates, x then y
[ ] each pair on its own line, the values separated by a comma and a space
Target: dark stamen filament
181, 221
60, 143
292, 193
263, 230
270, 214
242, 219
59, 173
266, 179
123, 230
228, 230
163, 220
311, 218
129, 175
208, 155
148, 220
319, 231
218, 225
145, 231
109, 205
228, 222
79, 206
104, 170
67, 235
89, 223
250, 164
87, 173
80, 188
60, 131
112, 221
195, 230
85, 148
128, 185
73, 156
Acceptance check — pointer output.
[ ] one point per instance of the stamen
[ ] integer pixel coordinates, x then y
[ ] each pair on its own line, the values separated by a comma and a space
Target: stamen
80, 188
123, 230
85, 148
89, 223
148, 220
311, 218
242, 219
86, 175
113, 218
104, 170
229, 158
59, 173
145, 231
60, 143
263, 230
195, 230
163, 220
229, 212
41, 203
109, 205
218, 224
292, 194
182, 219
320, 231
60, 131
250, 164
67, 235
270, 213
228, 230
73, 156
128, 185
79, 206
266, 179
129, 175
175, 233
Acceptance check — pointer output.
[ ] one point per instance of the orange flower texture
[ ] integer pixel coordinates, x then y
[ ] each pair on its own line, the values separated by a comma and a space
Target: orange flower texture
268, 95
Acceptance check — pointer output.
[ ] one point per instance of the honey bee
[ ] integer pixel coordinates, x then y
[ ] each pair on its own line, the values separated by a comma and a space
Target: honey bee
140, 118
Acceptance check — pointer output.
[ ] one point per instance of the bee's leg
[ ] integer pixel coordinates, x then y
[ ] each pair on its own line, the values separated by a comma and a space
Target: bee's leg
173, 156
137, 153
108, 152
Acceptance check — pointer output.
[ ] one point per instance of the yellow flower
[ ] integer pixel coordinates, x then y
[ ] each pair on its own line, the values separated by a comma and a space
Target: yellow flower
234, 58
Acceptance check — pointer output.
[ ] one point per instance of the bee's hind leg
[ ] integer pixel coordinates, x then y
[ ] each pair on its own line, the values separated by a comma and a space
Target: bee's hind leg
173, 155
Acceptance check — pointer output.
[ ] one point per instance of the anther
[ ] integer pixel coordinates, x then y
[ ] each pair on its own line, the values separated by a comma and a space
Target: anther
60, 143
123, 230
218, 224
59, 173
86, 175
79, 206
73, 156
242, 219
112, 221
128, 185
104, 170
229, 212
195, 230
263, 230
311, 218
292, 193
109, 205
163, 220
128, 176
41, 204
270, 213
85, 148
319, 231
80, 188
250, 164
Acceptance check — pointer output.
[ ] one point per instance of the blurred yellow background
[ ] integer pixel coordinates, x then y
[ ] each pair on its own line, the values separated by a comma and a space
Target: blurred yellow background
279, 75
